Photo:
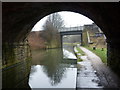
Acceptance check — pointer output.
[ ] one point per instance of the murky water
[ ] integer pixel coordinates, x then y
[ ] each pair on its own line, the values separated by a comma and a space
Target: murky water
50, 70
47, 69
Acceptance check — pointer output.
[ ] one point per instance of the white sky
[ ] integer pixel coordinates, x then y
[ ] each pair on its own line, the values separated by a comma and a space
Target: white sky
71, 19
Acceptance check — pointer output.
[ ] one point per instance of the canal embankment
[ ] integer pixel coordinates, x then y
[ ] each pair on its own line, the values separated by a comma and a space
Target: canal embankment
106, 77
86, 74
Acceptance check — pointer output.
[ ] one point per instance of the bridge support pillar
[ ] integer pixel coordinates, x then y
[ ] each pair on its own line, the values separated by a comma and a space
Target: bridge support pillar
61, 37
81, 39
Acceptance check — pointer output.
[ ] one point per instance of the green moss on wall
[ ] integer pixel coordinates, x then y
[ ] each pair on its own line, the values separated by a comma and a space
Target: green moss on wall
14, 53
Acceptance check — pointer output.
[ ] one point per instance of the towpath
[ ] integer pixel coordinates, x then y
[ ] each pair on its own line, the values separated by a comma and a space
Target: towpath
95, 73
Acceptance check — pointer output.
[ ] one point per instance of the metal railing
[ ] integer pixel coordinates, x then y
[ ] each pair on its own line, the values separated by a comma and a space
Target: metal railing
72, 29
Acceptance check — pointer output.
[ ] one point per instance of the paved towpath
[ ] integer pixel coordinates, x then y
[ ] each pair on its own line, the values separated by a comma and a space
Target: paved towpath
86, 74
107, 77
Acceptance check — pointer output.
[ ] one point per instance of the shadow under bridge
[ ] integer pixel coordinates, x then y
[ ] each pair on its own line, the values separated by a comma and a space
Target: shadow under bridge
72, 31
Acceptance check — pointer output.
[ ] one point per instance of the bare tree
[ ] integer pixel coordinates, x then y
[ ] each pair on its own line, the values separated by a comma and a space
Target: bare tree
52, 27
54, 21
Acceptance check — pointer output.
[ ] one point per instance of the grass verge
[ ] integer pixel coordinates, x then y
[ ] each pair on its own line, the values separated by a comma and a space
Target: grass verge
100, 53
80, 51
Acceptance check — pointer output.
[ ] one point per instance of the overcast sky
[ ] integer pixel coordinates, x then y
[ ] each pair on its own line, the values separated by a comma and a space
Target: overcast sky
71, 19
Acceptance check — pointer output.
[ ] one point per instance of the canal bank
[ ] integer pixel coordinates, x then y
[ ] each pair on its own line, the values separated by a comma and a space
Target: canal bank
108, 78
86, 74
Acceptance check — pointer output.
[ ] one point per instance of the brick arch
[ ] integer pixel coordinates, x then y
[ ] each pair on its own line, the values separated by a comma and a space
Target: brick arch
19, 18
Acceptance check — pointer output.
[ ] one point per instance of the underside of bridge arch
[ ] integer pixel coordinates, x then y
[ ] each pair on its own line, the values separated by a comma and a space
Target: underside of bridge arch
19, 19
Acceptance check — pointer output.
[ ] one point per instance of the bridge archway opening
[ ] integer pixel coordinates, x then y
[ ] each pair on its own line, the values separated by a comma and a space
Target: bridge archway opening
17, 26
93, 35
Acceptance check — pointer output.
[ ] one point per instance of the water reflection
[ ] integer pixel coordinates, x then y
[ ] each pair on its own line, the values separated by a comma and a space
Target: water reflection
68, 55
55, 75
68, 51
49, 70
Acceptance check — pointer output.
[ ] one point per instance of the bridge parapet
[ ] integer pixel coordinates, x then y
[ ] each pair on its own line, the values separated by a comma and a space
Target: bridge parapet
80, 28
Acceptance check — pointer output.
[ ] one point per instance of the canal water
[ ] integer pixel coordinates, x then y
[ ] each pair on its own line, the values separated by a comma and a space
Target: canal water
49, 68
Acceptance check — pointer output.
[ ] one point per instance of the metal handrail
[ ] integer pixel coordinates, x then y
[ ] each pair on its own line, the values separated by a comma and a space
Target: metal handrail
72, 29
